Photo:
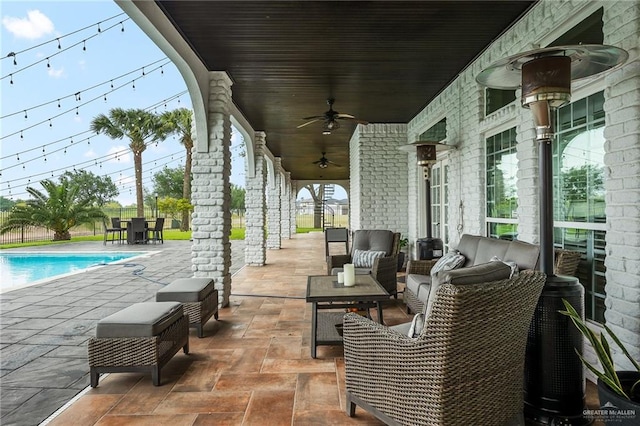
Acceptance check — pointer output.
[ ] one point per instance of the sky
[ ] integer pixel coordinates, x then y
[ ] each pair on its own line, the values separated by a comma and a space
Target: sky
73, 61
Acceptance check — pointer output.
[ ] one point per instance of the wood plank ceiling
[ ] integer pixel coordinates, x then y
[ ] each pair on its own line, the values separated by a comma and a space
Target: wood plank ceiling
382, 61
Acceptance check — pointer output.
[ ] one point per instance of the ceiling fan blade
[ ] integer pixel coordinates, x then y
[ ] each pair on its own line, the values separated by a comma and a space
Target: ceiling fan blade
345, 116
308, 122
334, 164
313, 116
361, 121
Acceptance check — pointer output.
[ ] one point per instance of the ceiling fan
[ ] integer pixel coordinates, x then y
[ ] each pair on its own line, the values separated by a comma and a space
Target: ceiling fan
330, 119
324, 162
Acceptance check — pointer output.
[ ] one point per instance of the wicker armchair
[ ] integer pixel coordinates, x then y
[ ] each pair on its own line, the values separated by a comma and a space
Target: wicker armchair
384, 269
567, 262
466, 366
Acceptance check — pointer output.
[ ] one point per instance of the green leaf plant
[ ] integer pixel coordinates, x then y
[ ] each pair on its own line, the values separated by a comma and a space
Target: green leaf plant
602, 349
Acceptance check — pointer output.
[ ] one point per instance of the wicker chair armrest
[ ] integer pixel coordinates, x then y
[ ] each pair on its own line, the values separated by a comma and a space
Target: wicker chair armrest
385, 270
337, 261
421, 267
365, 337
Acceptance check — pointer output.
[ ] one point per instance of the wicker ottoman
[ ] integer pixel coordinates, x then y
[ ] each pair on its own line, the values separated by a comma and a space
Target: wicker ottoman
142, 337
198, 297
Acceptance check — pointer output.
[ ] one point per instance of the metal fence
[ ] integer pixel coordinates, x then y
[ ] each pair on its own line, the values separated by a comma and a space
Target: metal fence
35, 234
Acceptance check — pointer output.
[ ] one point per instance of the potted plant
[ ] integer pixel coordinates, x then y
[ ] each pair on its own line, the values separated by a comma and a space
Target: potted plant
404, 242
619, 391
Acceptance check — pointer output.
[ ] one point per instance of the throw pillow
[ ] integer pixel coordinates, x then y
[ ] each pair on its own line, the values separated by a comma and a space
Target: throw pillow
417, 324
512, 265
452, 260
365, 258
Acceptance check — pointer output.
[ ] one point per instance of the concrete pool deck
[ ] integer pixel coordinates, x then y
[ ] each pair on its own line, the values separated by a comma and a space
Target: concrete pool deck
44, 328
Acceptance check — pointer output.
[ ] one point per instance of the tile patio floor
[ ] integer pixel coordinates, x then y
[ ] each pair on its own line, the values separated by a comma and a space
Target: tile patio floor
253, 367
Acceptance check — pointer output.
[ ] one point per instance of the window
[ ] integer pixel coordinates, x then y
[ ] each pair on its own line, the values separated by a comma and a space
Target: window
502, 196
579, 196
497, 98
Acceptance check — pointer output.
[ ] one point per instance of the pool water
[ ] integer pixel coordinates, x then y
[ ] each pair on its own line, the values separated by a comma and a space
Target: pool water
21, 269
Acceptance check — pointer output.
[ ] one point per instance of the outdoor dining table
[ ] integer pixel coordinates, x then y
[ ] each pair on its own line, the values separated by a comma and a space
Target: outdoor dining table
137, 237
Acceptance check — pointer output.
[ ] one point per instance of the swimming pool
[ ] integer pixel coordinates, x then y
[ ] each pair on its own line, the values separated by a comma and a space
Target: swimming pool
19, 269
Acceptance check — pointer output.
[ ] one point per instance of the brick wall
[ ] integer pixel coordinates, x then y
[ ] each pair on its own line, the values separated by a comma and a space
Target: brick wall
378, 196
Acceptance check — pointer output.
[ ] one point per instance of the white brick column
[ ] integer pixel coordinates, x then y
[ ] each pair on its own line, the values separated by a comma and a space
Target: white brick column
285, 205
622, 179
211, 194
292, 200
255, 203
274, 207
378, 178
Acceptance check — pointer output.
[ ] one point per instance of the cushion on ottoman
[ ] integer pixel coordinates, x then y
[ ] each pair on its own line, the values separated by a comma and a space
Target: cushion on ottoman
185, 290
140, 320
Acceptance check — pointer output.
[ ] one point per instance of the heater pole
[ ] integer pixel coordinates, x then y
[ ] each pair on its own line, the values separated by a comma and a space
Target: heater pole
546, 206
427, 184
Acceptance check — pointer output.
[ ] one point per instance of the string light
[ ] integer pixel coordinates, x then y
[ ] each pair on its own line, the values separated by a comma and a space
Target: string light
173, 97
69, 34
60, 49
88, 89
99, 165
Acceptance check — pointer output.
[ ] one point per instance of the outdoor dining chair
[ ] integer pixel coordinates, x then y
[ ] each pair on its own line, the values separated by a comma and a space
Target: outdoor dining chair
113, 230
155, 234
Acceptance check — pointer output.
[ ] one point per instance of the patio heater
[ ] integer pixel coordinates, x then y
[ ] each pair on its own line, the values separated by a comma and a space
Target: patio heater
554, 380
428, 247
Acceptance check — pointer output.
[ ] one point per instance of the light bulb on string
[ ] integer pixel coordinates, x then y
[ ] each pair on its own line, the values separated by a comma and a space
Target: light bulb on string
112, 84
50, 123
21, 136
59, 46
77, 95
84, 45
14, 57
48, 63
105, 98
99, 30
133, 85
122, 26
10, 78
161, 70
59, 103
77, 112
143, 74
25, 114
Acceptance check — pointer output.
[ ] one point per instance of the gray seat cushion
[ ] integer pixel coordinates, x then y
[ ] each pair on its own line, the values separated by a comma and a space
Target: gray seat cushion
140, 320
419, 285
373, 239
525, 255
186, 290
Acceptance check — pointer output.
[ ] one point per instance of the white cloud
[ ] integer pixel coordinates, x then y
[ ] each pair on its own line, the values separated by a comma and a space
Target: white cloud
90, 154
55, 73
34, 26
119, 155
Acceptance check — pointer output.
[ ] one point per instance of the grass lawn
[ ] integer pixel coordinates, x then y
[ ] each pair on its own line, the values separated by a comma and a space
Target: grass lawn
168, 234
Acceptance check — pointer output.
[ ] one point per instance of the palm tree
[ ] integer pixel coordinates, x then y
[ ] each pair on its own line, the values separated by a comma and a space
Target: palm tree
180, 121
59, 210
141, 127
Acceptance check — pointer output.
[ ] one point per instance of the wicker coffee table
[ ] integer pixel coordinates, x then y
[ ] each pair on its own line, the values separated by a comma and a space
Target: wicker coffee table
325, 293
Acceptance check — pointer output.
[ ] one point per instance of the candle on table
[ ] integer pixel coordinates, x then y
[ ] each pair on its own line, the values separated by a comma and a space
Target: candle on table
349, 275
